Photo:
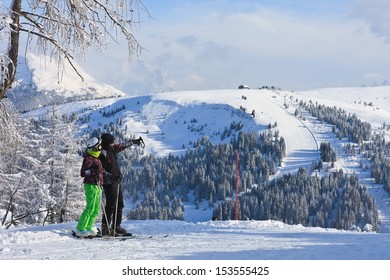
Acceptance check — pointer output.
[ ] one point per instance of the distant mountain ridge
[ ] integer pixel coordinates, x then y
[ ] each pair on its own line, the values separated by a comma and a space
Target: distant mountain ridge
41, 82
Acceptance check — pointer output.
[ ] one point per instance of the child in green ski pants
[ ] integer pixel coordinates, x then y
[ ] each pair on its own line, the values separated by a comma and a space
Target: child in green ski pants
87, 219
92, 171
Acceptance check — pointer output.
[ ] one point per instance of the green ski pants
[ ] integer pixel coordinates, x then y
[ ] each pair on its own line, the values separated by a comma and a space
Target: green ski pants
93, 194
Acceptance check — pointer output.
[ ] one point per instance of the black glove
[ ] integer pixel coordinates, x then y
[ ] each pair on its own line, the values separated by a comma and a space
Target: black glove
140, 142
118, 178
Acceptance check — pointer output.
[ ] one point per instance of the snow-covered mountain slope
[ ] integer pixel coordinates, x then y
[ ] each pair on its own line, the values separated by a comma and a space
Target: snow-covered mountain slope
41, 81
169, 122
370, 104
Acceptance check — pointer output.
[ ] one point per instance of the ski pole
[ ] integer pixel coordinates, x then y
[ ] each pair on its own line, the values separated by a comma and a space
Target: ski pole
116, 208
102, 203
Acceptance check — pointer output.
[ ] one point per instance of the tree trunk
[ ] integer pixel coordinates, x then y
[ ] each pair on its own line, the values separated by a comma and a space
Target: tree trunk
9, 206
13, 48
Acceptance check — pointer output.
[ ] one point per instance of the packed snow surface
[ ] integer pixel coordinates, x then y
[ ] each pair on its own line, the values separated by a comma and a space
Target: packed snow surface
180, 240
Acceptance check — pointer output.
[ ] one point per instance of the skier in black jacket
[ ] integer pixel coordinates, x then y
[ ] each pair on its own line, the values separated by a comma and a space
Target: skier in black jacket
112, 218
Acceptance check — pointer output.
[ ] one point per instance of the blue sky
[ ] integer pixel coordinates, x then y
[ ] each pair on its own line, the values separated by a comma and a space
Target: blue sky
292, 44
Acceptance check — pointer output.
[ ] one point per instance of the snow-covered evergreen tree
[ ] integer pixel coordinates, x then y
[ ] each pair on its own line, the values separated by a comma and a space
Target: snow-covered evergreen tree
39, 168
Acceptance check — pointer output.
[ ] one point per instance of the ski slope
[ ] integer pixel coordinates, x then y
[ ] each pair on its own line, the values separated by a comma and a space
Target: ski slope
301, 145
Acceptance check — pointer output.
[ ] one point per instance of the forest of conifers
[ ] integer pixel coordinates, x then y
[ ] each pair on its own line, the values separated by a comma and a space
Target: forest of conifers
158, 186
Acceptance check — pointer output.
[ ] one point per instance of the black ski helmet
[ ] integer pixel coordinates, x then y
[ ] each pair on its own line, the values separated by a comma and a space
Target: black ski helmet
107, 139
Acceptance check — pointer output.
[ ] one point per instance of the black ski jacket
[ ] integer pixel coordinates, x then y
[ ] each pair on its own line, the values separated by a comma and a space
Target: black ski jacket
109, 160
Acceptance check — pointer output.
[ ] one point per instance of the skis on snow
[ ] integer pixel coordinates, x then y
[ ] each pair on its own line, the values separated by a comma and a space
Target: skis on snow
104, 237
118, 237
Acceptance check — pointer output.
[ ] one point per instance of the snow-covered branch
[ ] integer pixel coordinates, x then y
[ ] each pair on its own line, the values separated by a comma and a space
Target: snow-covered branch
65, 28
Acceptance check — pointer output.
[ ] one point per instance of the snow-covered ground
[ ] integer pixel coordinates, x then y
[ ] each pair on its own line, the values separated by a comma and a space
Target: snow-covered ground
162, 121
207, 246
220, 240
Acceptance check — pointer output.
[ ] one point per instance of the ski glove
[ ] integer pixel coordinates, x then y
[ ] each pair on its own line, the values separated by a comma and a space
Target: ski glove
139, 142
93, 170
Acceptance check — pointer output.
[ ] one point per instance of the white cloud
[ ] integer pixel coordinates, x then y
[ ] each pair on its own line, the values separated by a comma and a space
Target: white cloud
195, 45
376, 14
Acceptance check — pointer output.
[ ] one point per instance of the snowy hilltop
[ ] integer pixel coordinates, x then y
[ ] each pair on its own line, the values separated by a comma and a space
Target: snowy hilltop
41, 82
178, 125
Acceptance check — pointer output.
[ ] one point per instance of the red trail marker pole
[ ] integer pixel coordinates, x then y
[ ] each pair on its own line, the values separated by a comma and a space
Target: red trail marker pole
236, 204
